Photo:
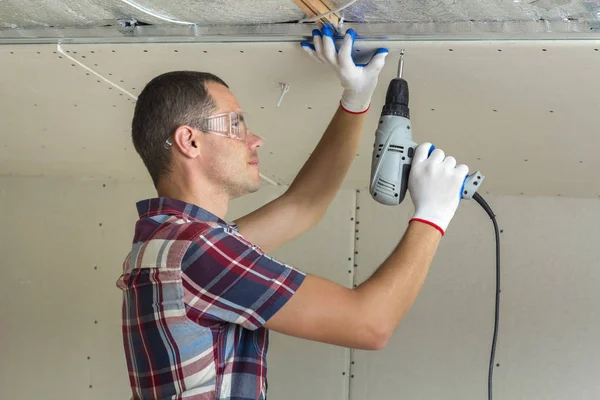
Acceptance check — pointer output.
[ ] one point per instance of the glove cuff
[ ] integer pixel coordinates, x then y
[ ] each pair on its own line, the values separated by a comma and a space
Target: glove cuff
436, 216
424, 221
353, 112
355, 103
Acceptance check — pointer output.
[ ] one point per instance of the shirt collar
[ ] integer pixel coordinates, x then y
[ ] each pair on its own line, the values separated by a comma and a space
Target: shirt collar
169, 206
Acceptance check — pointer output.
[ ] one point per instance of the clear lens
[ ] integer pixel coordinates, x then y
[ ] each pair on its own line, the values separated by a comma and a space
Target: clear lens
219, 124
232, 124
238, 125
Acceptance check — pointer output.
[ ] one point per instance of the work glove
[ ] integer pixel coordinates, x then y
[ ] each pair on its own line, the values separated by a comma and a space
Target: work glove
435, 184
358, 80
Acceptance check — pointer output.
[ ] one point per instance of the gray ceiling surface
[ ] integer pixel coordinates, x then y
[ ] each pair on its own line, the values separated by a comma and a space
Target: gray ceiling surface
32, 14
97, 13
470, 10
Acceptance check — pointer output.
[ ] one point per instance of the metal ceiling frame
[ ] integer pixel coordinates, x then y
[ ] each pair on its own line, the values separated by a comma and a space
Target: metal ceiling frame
434, 31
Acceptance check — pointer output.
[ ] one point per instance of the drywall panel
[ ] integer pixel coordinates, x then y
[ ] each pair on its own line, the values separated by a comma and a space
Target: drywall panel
58, 121
63, 243
549, 319
519, 111
301, 369
47, 289
113, 215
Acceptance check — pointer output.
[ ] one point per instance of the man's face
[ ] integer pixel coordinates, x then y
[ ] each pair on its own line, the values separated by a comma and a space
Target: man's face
230, 163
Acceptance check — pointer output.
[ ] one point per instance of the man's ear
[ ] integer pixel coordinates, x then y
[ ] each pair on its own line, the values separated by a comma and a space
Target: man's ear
187, 140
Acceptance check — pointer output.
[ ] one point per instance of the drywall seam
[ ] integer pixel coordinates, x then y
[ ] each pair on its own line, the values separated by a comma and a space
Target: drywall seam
355, 224
61, 51
134, 97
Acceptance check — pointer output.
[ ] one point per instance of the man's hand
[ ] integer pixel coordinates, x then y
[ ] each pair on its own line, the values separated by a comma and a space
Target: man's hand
435, 185
358, 81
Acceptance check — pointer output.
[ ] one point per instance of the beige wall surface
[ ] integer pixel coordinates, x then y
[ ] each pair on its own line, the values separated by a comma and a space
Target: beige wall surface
524, 112
549, 308
63, 241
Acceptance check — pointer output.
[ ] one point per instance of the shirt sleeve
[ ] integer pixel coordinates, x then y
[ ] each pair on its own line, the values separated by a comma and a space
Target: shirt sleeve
228, 279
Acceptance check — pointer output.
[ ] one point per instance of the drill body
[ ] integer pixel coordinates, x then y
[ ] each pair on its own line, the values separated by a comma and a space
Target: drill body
392, 159
394, 149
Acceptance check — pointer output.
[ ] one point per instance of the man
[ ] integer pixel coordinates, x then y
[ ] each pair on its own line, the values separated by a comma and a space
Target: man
200, 294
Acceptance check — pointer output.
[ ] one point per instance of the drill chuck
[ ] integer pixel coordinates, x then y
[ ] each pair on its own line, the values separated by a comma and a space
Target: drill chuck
396, 99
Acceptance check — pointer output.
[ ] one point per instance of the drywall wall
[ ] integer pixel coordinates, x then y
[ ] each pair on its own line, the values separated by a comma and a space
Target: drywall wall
549, 316
488, 104
63, 242
300, 369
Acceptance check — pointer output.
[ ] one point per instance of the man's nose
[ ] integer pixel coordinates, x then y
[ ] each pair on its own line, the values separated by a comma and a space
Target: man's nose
254, 141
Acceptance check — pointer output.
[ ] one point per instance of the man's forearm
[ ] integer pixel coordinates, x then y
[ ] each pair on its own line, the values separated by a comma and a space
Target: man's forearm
323, 173
392, 289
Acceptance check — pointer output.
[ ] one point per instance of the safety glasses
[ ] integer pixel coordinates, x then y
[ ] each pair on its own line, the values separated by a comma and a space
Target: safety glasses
231, 125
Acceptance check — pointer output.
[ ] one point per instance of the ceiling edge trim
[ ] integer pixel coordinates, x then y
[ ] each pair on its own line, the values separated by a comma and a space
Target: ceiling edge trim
468, 31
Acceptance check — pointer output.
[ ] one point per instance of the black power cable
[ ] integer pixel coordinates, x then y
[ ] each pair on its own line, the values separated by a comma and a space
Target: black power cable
477, 197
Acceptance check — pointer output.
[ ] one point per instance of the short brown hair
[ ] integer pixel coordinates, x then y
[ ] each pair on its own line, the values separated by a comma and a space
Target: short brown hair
167, 102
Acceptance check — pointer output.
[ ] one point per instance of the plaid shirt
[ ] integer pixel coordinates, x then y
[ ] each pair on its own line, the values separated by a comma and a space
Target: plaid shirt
196, 296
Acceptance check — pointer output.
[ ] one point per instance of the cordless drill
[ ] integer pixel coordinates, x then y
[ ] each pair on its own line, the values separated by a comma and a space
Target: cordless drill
394, 148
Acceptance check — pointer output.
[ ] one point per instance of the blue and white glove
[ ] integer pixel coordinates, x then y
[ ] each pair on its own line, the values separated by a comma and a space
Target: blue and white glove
358, 80
435, 185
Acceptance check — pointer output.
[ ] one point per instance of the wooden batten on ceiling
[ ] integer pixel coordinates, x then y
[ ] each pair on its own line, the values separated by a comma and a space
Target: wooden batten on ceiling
312, 8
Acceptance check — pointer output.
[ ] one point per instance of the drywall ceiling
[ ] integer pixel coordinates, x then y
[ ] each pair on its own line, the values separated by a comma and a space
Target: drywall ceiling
524, 113
94, 13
